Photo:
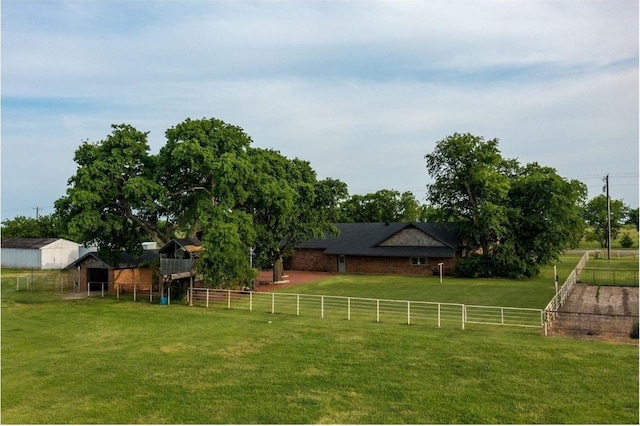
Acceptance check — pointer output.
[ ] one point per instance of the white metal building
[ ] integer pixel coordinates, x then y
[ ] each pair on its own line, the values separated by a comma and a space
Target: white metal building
39, 253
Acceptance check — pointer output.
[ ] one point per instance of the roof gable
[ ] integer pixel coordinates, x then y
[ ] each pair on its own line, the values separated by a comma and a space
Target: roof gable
191, 245
391, 239
126, 261
411, 237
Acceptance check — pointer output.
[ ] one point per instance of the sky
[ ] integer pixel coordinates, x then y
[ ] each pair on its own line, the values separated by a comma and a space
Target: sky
363, 90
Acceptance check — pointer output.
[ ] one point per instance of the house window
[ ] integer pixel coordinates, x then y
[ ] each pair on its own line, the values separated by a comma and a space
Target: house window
418, 261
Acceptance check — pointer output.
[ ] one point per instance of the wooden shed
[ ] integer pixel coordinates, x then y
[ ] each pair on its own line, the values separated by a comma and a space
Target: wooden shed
178, 265
39, 253
95, 274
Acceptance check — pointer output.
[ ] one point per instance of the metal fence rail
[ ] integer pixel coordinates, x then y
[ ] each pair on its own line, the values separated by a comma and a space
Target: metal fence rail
621, 277
364, 309
551, 310
37, 282
520, 317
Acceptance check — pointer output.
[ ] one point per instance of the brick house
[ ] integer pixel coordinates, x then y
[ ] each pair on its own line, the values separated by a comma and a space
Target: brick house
92, 272
382, 248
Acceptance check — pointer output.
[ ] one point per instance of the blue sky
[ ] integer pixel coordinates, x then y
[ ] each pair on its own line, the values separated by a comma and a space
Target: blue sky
363, 90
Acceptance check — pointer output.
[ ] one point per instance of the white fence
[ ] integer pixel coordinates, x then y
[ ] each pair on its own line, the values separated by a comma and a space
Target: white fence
38, 282
563, 293
364, 309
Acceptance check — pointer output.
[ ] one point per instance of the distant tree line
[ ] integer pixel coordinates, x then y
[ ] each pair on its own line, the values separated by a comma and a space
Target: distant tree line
208, 180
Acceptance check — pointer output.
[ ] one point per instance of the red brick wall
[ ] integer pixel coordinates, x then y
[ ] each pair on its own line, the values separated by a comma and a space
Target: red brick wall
394, 265
316, 260
313, 260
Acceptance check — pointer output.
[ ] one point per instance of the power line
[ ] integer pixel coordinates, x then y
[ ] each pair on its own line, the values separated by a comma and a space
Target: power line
37, 209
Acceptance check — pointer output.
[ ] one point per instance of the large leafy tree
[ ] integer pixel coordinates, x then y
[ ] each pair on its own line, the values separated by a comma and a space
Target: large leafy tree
633, 218
203, 164
595, 213
544, 218
206, 180
382, 206
288, 205
46, 226
112, 198
225, 260
521, 217
471, 186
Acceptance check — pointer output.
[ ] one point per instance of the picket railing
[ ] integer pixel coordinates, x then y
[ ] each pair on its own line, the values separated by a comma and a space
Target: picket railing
365, 309
551, 310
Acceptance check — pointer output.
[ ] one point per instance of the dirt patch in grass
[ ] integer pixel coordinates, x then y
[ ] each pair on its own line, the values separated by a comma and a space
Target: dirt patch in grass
264, 282
599, 312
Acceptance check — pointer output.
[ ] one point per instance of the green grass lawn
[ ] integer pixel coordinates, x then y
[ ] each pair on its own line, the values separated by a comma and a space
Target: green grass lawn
615, 243
109, 361
623, 263
533, 293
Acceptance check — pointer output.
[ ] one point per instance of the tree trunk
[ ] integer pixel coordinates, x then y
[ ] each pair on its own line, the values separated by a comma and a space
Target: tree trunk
278, 270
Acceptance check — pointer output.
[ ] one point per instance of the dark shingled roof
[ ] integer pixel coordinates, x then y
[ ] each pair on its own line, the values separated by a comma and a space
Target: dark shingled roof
126, 260
363, 239
192, 245
27, 243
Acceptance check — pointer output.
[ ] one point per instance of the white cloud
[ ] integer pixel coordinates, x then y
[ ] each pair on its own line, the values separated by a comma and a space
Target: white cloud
362, 90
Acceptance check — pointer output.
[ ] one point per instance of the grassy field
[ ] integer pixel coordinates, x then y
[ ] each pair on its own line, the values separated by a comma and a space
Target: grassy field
615, 244
618, 264
109, 361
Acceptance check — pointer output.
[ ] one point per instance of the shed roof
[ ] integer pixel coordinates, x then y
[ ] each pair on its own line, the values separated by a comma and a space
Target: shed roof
27, 243
192, 245
364, 239
126, 261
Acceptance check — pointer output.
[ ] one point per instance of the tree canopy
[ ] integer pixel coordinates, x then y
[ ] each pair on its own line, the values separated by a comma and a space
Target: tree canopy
45, 226
288, 205
518, 217
111, 200
206, 180
595, 213
384, 205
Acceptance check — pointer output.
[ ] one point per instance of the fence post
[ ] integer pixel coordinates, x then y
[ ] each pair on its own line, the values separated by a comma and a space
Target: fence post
298, 305
348, 309
322, 307
102, 289
117, 291
502, 316
408, 313
229, 299
207, 298
134, 293
250, 301
88, 288
438, 315
273, 303
377, 310
464, 311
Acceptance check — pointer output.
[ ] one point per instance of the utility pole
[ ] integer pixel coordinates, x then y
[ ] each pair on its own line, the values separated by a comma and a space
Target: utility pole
608, 219
37, 209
